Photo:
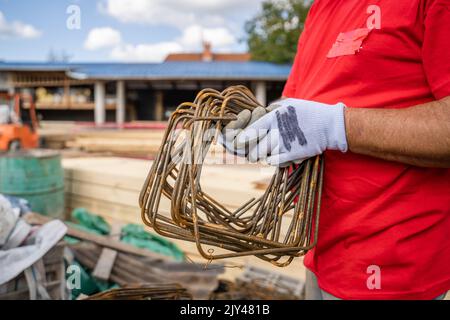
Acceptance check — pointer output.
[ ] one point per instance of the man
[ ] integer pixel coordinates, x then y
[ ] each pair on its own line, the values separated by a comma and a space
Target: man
370, 86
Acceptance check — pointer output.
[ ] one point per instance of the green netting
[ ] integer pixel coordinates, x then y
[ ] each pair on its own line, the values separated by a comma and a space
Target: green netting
136, 235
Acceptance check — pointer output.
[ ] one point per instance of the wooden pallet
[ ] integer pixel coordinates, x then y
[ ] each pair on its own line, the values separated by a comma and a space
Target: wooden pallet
54, 282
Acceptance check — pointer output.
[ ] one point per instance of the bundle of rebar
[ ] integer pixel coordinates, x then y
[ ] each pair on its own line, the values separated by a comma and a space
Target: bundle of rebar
277, 227
144, 292
228, 290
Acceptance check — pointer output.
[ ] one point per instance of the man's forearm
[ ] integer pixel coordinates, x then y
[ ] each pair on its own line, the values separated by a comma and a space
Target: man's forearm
418, 135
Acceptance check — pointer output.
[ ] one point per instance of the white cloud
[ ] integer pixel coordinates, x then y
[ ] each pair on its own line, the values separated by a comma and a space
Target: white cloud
194, 35
144, 52
190, 40
99, 38
178, 13
146, 12
17, 29
216, 21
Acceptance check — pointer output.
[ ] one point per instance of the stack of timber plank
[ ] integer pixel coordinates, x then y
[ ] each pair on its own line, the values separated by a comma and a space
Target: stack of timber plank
110, 187
56, 134
139, 141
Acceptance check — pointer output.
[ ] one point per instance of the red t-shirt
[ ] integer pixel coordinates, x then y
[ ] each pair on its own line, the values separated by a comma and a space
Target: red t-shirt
384, 230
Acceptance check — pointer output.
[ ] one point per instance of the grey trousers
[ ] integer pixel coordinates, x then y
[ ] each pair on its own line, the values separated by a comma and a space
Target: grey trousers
313, 292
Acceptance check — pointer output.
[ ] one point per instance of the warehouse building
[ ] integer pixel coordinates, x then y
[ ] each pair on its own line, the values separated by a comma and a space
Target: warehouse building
121, 92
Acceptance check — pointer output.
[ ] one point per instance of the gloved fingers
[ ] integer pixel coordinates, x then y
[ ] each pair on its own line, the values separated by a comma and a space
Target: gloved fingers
298, 161
254, 132
280, 160
228, 135
228, 142
243, 118
273, 106
264, 148
257, 114
253, 154
231, 148
258, 150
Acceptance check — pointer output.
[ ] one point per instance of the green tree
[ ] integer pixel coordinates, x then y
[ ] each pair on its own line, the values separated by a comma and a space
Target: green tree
272, 35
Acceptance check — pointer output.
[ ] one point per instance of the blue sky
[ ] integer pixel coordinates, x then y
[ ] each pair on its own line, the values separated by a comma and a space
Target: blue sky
120, 30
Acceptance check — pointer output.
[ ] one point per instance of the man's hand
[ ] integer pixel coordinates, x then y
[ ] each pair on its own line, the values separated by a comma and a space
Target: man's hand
295, 130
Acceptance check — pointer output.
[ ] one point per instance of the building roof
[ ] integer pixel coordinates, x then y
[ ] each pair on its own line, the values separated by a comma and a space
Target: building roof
208, 55
168, 70
242, 57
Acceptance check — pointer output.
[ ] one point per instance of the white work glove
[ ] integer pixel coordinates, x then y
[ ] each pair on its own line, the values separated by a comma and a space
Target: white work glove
295, 130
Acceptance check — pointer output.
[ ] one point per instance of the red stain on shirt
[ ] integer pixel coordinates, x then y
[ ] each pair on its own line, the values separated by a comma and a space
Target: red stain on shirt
348, 43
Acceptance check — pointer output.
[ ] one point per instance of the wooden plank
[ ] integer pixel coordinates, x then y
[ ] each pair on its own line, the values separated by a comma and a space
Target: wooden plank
108, 256
105, 264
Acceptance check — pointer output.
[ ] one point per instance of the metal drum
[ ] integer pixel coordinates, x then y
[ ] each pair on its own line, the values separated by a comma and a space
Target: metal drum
37, 176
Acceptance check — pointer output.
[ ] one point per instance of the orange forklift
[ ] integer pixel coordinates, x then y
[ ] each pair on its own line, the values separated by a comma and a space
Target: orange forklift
18, 122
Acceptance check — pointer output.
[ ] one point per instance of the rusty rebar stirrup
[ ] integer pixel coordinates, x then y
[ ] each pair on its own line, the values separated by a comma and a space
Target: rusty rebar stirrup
278, 226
